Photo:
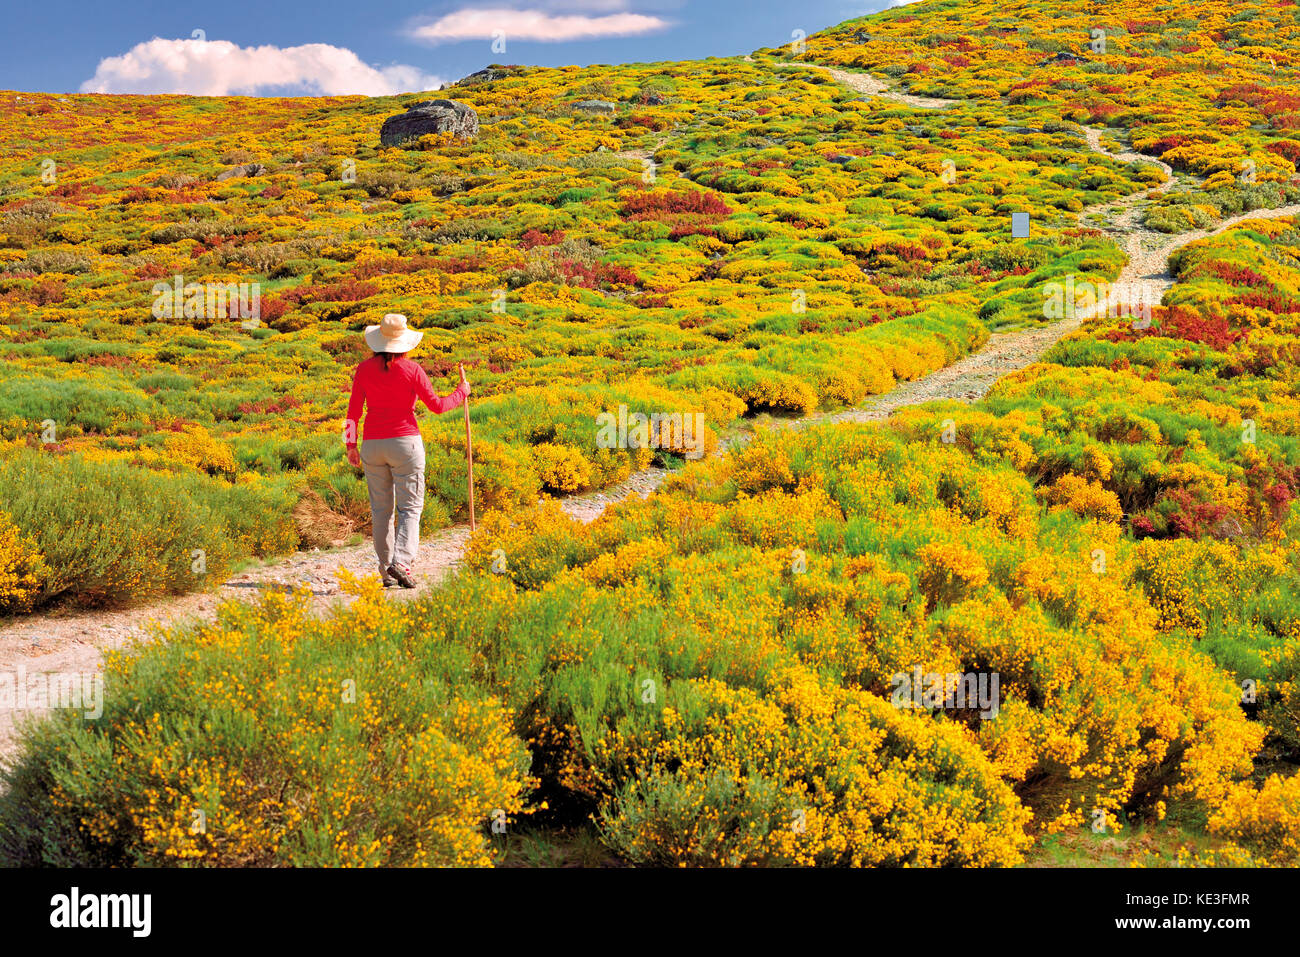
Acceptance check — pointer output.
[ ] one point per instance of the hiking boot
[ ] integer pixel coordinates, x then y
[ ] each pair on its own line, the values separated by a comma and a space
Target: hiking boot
403, 575
388, 580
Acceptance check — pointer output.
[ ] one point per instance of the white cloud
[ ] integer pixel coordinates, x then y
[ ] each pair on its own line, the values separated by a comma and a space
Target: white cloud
222, 68
520, 25
603, 5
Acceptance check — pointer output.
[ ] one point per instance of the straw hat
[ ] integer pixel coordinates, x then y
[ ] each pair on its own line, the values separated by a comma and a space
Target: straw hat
391, 335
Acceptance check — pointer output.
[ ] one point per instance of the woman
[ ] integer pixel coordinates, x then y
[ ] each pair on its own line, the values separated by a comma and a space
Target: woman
392, 451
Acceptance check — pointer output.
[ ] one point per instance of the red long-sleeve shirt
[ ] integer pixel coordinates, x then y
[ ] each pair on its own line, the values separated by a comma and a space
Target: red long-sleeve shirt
389, 399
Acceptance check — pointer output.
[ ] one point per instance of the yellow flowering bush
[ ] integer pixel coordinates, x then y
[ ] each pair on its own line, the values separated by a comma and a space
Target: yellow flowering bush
779, 518
770, 391
1266, 820
802, 775
20, 568
636, 559
109, 533
369, 753
1084, 498
194, 447
708, 676
949, 573
528, 547
561, 468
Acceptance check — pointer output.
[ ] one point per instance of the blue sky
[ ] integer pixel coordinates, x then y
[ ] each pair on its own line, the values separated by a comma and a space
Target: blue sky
279, 47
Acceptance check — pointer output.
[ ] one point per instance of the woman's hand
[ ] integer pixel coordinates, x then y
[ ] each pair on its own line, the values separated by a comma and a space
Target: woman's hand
463, 381
354, 456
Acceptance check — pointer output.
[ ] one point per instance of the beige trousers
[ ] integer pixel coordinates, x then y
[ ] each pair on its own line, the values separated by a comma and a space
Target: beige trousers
395, 479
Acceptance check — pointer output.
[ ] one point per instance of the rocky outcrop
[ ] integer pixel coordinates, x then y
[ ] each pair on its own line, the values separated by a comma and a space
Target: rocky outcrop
486, 75
429, 116
1064, 58
248, 169
596, 106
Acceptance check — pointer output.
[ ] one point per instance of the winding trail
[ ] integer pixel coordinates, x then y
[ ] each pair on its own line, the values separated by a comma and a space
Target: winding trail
63, 641
868, 85
1149, 251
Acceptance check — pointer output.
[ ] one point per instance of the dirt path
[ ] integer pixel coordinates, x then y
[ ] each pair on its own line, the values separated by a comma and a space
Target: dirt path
966, 380
58, 641
1148, 250
646, 157
868, 85
73, 641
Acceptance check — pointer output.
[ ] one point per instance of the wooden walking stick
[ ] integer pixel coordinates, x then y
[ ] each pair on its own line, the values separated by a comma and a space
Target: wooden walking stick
469, 457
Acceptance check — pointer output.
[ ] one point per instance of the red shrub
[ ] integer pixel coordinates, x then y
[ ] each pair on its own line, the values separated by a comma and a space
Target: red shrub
153, 271
1272, 488
1177, 322
646, 122
46, 292
1236, 275
1252, 94
1265, 99
691, 229
43, 292
691, 202
906, 251
1275, 303
535, 237
438, 368
109, 360
591, 277
1167, 143
272, 309
1288, 149
76, 191
1193, 519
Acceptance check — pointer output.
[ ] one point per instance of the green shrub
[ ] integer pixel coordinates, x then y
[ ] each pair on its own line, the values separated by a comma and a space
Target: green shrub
112, 534
376, 753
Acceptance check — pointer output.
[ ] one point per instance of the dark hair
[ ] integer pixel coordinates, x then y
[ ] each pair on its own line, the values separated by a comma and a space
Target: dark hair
389, 357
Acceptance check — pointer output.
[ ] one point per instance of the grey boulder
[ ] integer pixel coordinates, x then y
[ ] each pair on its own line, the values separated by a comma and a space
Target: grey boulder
595, 106
248, 169
485, 75
429, 116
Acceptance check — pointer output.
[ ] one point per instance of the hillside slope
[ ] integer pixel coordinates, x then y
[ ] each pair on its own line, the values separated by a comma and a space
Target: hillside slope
744, 236
1102, 548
